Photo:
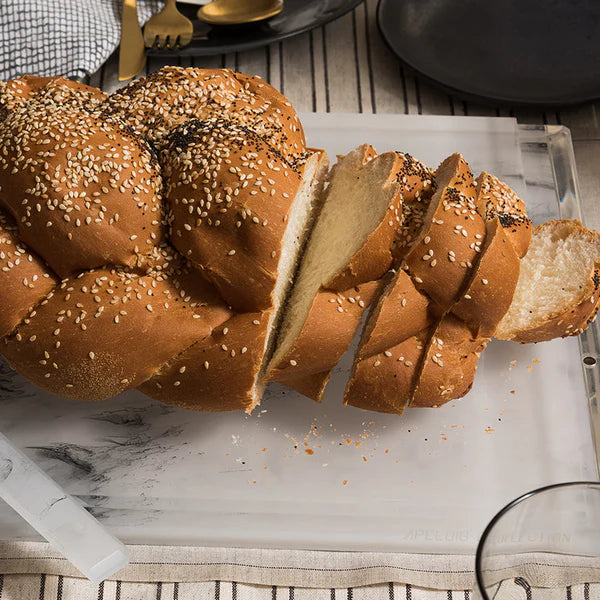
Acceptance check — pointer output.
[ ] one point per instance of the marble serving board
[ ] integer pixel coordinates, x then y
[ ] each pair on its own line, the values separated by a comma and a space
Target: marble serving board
296, 474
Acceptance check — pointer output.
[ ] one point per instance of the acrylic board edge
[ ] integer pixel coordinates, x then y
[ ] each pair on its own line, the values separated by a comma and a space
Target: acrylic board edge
557, 139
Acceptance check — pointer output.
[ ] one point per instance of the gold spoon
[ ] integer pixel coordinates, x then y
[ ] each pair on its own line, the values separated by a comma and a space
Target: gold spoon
235, 12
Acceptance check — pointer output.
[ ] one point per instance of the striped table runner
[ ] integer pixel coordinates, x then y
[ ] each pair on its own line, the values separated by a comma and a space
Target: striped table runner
47, 587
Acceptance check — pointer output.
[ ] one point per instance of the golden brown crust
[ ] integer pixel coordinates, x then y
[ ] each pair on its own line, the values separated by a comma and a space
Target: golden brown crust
47, 90
384, 381
166, 99
326, 334
271, 114
401, 311
496, 199
449, 363
311, 385
230, 194
217, 373
450, 241
83, 341
417, 187
438, 258
448, 367
84, 192
24, 279
493, 285
396, 329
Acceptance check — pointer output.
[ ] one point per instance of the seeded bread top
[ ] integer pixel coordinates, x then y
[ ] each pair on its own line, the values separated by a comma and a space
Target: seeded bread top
133, 225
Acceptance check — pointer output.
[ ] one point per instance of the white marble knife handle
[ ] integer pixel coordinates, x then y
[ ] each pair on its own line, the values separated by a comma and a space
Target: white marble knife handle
57, 516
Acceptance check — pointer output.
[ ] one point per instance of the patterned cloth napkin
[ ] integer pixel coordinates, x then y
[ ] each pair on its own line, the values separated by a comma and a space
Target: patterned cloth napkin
72, 38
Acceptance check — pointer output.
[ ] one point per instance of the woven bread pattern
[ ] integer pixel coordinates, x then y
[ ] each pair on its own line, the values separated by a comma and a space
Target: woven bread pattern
127, 221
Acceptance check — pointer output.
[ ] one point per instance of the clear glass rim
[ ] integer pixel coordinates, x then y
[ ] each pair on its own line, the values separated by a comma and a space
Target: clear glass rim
507, 508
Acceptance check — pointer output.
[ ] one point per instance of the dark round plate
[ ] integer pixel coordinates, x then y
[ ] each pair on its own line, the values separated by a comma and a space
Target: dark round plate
539, 52
296, 17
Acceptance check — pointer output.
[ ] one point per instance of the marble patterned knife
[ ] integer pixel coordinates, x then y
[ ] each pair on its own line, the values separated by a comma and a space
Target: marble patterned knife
132, 53
58, 517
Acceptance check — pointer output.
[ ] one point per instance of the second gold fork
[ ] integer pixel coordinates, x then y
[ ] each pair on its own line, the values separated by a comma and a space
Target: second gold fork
168, 29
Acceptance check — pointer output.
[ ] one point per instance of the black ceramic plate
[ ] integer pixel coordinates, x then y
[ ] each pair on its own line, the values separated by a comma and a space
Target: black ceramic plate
542, 52
296, 17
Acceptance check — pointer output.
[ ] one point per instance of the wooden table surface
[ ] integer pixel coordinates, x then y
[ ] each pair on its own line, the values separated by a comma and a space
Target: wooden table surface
345, 66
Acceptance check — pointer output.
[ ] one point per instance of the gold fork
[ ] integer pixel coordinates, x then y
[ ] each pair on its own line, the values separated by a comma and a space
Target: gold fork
169, 28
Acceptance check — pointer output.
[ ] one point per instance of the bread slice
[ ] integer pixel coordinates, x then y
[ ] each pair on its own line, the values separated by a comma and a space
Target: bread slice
239, 349
450, 239
418, 185
557, 293
348, 248
390, 348
448, 365
496, 199
492, 287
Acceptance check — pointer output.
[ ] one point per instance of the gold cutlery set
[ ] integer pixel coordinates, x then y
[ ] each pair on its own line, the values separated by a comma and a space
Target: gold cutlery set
171, 29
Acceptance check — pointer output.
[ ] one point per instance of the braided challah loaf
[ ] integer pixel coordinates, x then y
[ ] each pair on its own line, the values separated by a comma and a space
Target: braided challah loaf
151, 246
179, 238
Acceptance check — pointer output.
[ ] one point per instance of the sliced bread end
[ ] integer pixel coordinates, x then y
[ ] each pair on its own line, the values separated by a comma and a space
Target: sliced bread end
557, 293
